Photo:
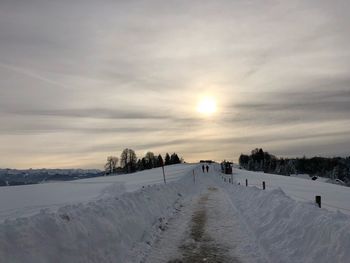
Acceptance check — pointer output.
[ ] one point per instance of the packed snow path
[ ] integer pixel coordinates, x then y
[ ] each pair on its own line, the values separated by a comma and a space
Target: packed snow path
207, 228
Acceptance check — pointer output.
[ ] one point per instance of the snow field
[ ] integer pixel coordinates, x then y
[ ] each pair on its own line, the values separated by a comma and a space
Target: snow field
334, 197
28, 200
292, 231
118, 223
104, 230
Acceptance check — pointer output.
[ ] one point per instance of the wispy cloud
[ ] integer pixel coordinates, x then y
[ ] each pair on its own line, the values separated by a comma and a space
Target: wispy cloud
82, 80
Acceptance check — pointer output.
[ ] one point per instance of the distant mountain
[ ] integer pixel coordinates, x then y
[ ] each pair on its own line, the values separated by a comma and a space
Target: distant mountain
34, 176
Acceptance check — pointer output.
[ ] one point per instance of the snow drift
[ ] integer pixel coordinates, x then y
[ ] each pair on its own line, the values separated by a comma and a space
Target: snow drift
100, 231
292, 231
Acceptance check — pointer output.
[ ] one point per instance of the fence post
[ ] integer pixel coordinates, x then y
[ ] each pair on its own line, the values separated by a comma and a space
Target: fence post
263, 185
246, 182
318, 200
164, 174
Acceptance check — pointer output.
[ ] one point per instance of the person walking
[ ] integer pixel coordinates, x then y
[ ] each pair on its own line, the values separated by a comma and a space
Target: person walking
207, 169
203, 168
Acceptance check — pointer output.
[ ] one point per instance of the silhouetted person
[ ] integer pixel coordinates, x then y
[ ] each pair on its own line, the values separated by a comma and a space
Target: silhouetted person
207, 169
203, 168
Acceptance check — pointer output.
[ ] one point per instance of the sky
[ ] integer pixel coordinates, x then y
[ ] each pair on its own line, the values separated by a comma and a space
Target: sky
82, 80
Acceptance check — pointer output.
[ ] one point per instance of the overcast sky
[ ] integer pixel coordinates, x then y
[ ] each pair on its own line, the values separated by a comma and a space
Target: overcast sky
81, 80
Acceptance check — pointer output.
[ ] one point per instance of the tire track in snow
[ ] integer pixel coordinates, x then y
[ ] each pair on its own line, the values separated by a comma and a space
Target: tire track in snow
208, 229
187, 239
202, 247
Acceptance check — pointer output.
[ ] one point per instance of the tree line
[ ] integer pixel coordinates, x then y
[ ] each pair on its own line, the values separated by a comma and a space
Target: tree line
334, 168
129, 163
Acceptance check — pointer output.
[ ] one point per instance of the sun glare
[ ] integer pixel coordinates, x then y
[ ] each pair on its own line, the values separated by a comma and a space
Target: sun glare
206, 106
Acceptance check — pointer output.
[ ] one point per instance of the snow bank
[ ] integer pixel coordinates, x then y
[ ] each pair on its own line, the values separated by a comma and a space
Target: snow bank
335, 197
105, 230
292, 231
27, 200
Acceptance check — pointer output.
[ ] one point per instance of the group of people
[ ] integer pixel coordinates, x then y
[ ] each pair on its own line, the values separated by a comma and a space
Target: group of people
205, 168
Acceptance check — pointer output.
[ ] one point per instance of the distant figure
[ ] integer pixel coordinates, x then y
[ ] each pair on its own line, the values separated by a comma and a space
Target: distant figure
207, 169
203, 168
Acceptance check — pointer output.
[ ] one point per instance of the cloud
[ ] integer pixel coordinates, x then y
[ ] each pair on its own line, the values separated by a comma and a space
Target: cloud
99, 113
90, 77
330, 101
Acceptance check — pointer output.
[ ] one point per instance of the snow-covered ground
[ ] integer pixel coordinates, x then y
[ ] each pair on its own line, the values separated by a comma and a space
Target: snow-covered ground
334, 197
20, 201
290, 230
208, 229
136, 218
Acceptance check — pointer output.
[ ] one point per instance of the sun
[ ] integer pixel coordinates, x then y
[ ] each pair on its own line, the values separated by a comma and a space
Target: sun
206, 106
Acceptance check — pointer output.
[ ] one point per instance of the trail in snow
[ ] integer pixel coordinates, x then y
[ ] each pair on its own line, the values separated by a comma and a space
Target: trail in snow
208, 228
182, 221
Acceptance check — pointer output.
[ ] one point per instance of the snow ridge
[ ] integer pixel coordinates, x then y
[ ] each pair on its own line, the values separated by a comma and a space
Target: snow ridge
99, 231
292, 231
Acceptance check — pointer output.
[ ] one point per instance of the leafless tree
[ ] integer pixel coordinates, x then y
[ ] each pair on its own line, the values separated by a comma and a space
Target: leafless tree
128, 160
111, 165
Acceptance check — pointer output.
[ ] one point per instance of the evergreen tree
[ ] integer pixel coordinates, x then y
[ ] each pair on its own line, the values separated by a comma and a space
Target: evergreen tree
140, 165
150, 160
160, 161
167, 159
243, 160
174, 159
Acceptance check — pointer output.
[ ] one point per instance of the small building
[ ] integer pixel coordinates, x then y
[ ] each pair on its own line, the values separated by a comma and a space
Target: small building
226, 167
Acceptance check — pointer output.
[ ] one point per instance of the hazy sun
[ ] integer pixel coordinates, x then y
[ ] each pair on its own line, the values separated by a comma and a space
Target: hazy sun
206, 106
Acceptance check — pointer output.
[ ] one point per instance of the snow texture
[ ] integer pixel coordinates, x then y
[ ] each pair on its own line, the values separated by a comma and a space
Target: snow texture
292, 231
27, 200
121, 219
334, 197
104, 230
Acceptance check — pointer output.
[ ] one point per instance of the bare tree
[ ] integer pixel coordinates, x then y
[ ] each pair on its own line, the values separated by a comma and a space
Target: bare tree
128, 160
111, 165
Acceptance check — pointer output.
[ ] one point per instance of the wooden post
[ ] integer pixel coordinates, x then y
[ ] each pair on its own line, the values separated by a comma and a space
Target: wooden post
318, 200
163, 174
246, 182
263, 185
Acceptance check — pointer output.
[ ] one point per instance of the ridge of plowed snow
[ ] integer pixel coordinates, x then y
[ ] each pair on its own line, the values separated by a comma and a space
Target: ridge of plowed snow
292, 231
103, 230
27, 200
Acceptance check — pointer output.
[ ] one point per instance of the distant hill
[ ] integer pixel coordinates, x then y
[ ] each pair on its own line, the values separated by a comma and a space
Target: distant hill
10, 177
